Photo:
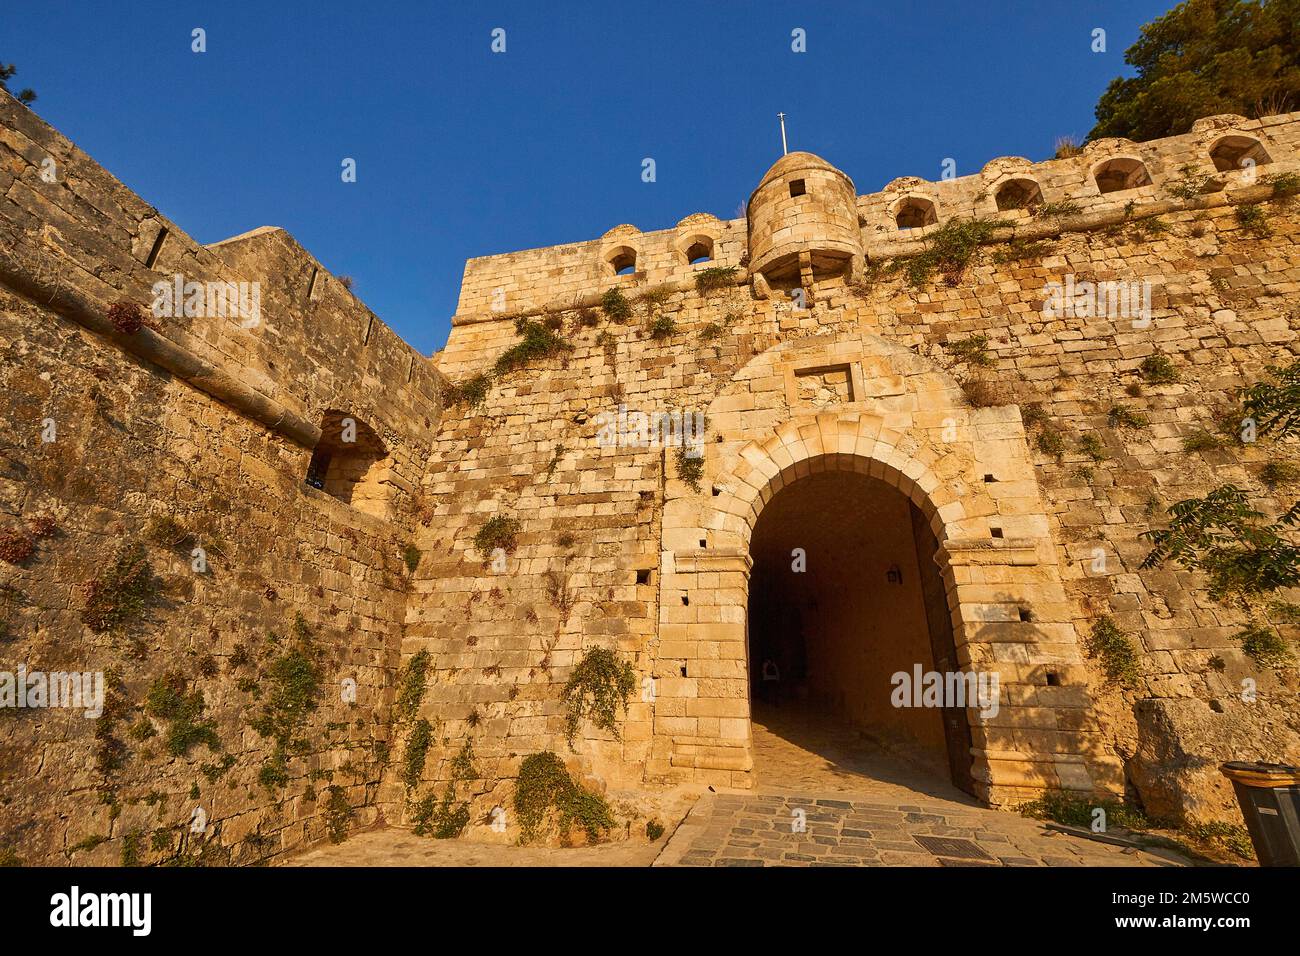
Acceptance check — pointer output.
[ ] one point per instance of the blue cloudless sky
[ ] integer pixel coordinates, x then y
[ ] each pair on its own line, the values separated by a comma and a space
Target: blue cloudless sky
464, 152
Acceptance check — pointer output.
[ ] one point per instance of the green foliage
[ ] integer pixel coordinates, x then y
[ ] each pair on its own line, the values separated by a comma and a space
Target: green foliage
337, 815
1116, 651
132, 844
1264, 646
1275, 406
447, 818
662, 327
89, 843
949, 250
1075, 811
168, 700
442, 819
411, 556
1232, 837
499, 531
1279, 473
1203, 58
1051, 441
1033, 414
413, 681
119, 596
1223, 536
1285, 185
1152, 227
1158, 370
1190, 185
615, 305
714, 278
536, 342
597, 689
25, 95
166, 531
1121, 416
653, 830
417, 748
295, 687
471, 393
1201, 440
1056, 210
711, 331
215, 771
1253, 219
462, 765
690, 469
544, 785
294, 683
1092, 446
972, 350
1017, 250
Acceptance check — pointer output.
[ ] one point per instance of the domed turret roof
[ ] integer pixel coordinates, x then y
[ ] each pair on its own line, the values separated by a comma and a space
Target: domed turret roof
793, 162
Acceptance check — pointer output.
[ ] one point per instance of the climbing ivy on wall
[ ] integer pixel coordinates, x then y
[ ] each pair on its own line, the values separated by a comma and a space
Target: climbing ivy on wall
1246, 556
597, 689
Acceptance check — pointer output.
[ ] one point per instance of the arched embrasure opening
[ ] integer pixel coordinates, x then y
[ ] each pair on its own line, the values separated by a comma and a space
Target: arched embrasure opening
844, 594
350, 463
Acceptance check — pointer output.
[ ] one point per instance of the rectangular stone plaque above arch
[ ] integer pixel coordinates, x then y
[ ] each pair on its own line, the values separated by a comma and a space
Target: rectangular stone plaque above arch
822, 384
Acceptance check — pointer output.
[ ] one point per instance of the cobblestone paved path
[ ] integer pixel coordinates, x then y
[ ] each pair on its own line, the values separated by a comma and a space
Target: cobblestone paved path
861, 805
839, 829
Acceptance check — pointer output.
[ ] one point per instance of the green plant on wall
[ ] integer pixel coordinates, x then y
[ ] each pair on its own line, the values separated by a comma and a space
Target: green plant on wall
411, 685
293, 682
690, 468
1246, 557
471, 393
117, 597
1115, 650
338, 814
417, 749
1274, 406
714, 278
447, 818
615, 305
950, 249
499, 531
544, 786
411, 556
972, 350
537, 341
1158, 370
596, 690
182, 710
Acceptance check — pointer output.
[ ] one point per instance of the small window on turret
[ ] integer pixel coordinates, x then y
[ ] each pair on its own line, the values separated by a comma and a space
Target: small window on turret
797, 188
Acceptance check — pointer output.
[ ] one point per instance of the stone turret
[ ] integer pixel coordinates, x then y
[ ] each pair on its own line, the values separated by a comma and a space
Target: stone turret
803, 221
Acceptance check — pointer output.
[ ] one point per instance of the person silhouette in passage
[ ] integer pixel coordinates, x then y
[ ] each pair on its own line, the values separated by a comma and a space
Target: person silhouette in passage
771, 682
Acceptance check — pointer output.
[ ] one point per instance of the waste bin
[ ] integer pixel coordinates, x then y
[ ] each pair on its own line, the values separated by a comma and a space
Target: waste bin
1269, 797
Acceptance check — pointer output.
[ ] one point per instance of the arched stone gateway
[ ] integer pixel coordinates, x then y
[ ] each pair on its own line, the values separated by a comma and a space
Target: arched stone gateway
860, 405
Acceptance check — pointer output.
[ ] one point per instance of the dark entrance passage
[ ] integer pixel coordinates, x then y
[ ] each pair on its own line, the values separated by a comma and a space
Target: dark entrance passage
845, 594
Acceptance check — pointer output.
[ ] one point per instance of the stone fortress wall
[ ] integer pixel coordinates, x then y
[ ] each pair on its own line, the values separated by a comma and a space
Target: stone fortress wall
1223, 306
210, 425
216, 425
